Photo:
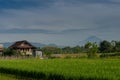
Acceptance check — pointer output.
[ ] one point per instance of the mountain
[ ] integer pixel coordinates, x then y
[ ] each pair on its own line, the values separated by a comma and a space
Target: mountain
43, 45
53, 45
7, 44
38, 44
81, 43
90, 39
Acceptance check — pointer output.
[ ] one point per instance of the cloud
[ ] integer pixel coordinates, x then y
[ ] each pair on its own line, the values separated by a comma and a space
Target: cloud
116, 1
26, 31
59, 16
61, 20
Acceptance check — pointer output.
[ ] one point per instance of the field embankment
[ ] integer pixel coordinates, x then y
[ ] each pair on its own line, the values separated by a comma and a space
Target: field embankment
63, 69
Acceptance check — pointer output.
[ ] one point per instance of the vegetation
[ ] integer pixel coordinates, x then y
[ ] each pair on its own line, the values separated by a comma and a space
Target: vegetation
68, 68
48, 50
9, 52
63, 69
91, 49
105, 48
7, 77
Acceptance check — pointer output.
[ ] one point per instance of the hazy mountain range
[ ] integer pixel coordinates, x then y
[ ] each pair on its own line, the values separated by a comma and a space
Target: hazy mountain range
90, 39
81, 43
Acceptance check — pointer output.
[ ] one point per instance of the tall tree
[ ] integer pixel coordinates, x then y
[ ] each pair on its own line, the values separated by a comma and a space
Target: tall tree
105, 47
92, 49
117, 46
9, 52
88, 45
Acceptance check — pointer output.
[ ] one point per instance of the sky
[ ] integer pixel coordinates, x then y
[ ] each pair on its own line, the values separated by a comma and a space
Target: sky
63, 22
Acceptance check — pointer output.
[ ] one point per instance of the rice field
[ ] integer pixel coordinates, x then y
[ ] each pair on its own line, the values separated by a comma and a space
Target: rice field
7, 77
62, 69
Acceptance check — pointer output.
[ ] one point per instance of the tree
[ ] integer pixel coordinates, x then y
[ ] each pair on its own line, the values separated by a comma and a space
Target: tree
92, 49
76, 49
105, 47
88, 45
67, 49
48, 50
117, 46
9, 52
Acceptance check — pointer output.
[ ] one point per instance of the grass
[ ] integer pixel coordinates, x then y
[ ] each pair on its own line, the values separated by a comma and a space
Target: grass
7, 77
63, 69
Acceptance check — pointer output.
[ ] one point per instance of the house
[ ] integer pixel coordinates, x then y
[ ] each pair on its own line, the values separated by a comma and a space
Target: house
39, 54
1, 49
23, 48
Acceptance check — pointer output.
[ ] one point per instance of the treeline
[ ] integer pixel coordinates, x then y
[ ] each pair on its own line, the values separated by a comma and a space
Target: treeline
104, 47
90, 48
107, 47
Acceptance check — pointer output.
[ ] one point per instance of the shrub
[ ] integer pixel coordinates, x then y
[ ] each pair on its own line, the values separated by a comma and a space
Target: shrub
9, 52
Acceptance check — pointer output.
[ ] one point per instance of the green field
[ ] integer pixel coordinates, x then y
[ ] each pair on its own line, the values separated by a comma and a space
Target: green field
62, 69
7, 77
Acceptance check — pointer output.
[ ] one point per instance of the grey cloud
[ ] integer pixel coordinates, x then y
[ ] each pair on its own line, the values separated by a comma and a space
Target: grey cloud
117, 1
58, 16
26, 31
66, 21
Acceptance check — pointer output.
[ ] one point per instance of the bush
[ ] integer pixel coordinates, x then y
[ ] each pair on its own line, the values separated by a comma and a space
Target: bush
9, 52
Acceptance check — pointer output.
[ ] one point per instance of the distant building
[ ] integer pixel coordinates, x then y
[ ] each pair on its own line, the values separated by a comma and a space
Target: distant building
1, 49
24, 48
39, 54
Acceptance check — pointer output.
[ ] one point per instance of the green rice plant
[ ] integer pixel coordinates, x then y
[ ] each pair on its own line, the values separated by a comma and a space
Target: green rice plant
63, 69
7, 77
